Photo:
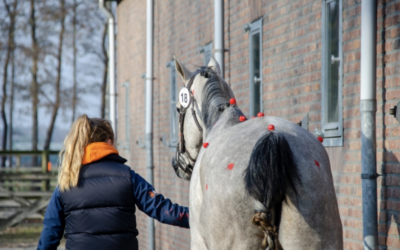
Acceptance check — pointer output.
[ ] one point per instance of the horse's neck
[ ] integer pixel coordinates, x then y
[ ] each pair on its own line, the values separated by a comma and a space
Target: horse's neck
229, 117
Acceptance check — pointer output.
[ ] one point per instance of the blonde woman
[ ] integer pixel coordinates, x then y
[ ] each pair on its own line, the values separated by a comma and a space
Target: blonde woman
94, 203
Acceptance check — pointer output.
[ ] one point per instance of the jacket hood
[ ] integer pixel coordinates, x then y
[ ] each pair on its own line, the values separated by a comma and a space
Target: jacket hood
96, 151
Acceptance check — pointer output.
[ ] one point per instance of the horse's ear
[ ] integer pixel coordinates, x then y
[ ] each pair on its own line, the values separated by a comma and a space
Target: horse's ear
214, 65
183, 72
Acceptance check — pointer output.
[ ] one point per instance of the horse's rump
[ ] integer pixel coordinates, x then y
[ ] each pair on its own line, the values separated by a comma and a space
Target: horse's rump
218, 195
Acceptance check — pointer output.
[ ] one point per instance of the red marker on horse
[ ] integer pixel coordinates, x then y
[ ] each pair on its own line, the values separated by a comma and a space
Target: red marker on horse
230, 166
232, 101
205, 145
320, 139
271, 127
261, 114
242, 118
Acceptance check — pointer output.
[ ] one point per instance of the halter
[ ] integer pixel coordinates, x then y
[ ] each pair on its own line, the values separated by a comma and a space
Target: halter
182, 113
183, 159
182, 156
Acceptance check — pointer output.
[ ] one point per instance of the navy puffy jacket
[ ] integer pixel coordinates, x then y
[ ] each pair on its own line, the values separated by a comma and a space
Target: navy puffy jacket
100, 212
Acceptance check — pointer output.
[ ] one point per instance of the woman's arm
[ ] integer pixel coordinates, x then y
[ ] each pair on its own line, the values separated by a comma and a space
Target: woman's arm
156, 206
53, 224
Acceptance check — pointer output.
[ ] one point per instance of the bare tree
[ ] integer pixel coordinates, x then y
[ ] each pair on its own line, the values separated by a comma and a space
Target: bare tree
34, 90
10, 47
74, 97
12, 83
40, 75
105, 72
57, 102
88, 44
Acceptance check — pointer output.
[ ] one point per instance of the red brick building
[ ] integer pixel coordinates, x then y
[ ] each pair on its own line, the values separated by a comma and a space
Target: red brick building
305, 55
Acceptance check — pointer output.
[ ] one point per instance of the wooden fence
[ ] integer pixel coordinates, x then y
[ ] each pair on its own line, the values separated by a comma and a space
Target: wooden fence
25, 190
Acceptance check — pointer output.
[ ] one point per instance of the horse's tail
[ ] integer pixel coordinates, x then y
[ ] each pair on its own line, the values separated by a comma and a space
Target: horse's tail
270, 170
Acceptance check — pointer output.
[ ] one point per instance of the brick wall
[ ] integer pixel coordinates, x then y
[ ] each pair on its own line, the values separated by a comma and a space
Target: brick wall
348, 168
131, 61
291, 89
388, 129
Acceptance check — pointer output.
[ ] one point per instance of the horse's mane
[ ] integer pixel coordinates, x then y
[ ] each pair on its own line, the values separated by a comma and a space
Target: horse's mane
215, 96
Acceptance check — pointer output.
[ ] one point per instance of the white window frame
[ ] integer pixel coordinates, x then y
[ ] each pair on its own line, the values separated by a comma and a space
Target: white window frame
254, 28
333, 131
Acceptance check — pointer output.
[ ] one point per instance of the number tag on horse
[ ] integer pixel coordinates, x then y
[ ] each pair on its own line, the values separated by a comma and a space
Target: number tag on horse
184, 97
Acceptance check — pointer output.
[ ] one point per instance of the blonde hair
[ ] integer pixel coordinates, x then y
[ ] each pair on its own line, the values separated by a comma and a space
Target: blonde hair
83, 131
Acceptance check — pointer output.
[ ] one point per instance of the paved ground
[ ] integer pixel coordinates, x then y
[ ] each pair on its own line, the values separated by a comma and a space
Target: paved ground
22, 246
29, 248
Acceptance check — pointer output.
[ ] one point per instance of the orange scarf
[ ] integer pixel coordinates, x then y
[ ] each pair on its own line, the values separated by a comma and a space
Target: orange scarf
97, 150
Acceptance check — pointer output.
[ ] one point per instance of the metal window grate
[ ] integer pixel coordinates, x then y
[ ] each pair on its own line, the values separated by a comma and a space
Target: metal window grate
207, 53
332, 73
255, 48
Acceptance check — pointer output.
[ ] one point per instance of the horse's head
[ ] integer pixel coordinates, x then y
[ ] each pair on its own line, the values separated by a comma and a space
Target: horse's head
205, 94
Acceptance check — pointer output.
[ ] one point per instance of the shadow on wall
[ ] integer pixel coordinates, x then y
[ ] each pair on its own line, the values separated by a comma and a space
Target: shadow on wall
389, 207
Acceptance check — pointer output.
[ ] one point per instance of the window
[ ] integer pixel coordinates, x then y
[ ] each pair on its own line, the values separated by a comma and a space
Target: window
332, 124
173, 114
207, 53
255, 42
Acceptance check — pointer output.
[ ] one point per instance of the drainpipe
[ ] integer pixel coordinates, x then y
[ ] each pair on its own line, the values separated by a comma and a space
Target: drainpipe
149, 109
111, 61
219, 33
368, 112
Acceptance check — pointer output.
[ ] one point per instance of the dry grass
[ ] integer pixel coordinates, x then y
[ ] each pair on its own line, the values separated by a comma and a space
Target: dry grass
23, 235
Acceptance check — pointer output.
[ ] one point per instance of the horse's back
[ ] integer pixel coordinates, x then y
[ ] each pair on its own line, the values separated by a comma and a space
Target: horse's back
220, 203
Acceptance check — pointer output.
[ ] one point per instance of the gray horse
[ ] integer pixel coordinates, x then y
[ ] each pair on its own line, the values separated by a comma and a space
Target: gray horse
262, 183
